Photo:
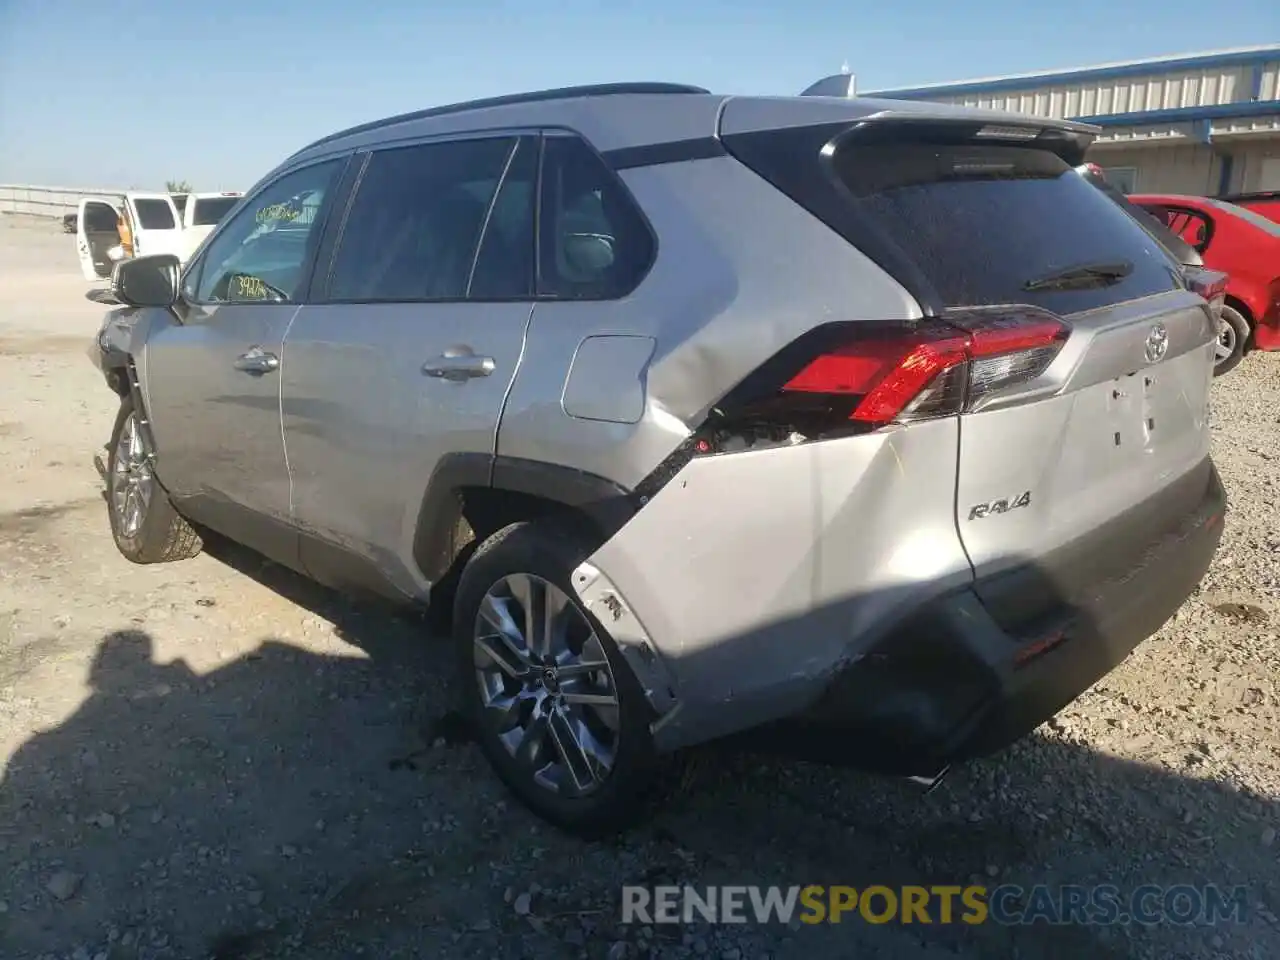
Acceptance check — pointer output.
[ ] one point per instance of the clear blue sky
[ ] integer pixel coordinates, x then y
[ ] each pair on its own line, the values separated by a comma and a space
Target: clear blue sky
131, 92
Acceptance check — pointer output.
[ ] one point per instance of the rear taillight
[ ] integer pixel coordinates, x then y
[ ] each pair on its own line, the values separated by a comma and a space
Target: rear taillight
1209, 284
854, 377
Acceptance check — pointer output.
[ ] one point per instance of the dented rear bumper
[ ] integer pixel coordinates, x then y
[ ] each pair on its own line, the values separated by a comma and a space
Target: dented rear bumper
912, 673
969, 675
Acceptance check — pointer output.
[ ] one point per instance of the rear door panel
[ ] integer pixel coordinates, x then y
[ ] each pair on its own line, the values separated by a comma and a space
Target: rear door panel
387, 373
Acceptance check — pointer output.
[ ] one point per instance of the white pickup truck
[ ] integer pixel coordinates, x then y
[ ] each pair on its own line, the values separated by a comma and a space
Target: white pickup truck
109, 229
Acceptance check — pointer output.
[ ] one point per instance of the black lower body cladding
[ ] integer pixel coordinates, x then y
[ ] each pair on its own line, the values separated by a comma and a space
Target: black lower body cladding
983, 667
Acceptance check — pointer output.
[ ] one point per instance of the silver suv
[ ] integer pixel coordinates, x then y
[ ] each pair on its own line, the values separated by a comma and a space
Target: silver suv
867, 430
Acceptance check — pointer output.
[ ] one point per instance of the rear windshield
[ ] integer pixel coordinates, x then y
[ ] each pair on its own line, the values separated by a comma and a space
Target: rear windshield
1178, 248
154, 214
211, 210
981, 221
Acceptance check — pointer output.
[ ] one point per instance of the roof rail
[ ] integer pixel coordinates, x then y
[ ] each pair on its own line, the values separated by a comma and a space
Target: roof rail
536, 96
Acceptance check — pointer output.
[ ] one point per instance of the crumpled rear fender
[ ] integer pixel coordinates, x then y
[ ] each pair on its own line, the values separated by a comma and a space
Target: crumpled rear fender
741, 586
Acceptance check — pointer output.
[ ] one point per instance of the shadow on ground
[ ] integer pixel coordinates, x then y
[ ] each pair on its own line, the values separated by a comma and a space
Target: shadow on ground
295, 805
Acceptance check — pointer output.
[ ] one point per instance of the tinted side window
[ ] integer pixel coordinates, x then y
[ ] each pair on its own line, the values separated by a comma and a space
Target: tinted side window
99, 218
414, 225
260, 253
595, 243
211, 210
504, 264
1190, 225
154, 214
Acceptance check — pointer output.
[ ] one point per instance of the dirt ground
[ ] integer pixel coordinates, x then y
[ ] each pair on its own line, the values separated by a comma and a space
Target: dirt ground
215, 758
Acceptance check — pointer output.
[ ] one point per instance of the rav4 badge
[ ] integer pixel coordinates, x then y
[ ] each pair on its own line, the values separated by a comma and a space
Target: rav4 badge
994, 507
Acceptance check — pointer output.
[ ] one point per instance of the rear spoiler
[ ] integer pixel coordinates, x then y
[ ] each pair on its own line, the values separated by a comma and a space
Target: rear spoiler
1070, 139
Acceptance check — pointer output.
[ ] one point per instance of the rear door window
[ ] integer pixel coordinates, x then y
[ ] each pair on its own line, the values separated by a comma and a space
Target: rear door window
504, 264
414, 226
984, 221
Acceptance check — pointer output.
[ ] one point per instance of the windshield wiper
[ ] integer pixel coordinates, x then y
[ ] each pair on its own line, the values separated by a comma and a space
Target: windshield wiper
1084, 275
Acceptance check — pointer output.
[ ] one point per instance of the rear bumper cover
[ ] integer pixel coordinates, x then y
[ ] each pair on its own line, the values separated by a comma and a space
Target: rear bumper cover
981, 667
1266, 335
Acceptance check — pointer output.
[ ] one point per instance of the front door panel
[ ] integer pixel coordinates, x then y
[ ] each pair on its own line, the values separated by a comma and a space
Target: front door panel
216, 416
214, 371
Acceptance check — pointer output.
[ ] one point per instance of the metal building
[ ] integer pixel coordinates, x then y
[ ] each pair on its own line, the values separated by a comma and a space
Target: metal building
1205, 123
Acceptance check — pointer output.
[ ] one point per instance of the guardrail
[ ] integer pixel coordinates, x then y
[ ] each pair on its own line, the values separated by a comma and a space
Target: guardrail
47, 201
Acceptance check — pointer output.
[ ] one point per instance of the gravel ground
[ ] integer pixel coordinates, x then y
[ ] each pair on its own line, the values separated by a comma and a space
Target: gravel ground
215, 758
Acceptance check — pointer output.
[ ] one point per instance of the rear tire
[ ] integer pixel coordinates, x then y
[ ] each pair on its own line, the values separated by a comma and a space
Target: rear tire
612, 781
144, 524
1233, 337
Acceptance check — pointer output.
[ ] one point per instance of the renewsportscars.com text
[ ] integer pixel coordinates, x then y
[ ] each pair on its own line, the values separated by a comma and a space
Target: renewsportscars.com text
1007, 904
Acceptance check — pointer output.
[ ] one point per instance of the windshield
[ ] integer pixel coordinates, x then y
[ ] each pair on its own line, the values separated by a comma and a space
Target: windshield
1182, 251
211, 210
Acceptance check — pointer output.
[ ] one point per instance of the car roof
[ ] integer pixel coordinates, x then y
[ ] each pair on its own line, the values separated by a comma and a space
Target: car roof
621, 115
1214, 206
1169, 197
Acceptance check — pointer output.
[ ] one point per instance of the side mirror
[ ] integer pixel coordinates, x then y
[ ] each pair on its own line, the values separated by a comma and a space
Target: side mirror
102, 296
148, 281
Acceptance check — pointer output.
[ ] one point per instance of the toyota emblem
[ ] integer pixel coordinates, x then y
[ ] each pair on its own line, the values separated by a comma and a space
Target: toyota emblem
1157, 343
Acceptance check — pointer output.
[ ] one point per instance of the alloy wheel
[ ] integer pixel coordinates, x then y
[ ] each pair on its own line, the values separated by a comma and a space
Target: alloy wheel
132, 483
1226, 345
546, 687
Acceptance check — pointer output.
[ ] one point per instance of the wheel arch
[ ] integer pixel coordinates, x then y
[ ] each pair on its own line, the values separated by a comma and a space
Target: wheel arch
1241, 307
471, 496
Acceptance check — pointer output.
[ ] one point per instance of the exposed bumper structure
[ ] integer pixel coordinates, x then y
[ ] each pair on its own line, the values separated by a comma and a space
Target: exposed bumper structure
955, 682
911, 676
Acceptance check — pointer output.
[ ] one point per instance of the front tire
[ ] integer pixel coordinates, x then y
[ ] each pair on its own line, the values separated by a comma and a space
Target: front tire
553, 705
1233, 336
144, 524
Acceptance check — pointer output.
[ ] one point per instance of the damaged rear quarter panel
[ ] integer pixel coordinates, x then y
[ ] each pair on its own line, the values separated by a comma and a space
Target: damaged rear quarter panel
754, 575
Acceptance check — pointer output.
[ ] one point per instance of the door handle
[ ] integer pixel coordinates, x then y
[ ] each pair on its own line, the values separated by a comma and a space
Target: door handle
257, 360
459, 367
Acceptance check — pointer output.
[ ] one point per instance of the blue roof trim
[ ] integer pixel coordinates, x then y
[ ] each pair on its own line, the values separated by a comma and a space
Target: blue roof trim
1218, 111
1036, 81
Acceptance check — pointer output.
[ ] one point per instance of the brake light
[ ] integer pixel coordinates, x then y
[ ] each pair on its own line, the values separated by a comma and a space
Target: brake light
934, 367
849, 378
1209, 284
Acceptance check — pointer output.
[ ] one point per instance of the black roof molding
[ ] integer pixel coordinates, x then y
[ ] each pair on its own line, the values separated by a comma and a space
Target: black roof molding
536, 96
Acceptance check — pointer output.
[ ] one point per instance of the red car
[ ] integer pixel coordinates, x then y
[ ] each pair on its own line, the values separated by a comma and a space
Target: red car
1266, 203
1241, 243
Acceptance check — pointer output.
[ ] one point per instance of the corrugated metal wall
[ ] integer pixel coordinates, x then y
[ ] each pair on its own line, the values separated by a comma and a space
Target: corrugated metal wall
1170, 168
1195, 168
1160, 90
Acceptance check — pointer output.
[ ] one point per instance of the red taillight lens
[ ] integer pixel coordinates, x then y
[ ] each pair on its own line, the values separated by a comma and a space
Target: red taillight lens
1209, 284
884, 374
932, 367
